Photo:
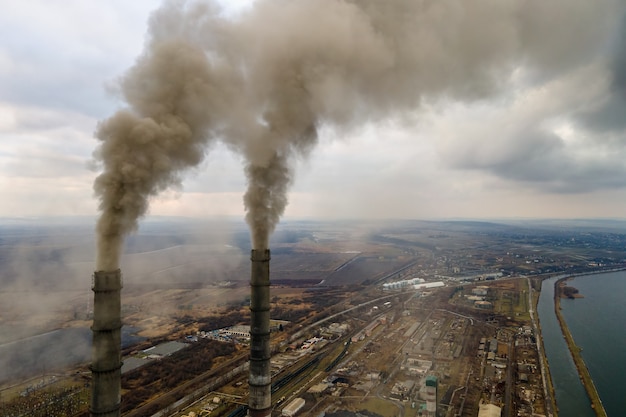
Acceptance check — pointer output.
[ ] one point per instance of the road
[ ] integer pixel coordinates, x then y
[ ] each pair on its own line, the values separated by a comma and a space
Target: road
508, 391
540, 353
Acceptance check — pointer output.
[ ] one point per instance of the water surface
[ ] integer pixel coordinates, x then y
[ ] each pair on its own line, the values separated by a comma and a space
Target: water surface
597, 323
571, 397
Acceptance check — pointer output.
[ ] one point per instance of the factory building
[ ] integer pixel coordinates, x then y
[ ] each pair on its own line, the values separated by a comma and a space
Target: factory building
493, 345
242, 332
415, 283
431, 395
486, 305
338, 329
415, 366
489, 410
398, 285
370, 327
293, 407
428, 392
480, 290
357, 337
425, 285
402, 390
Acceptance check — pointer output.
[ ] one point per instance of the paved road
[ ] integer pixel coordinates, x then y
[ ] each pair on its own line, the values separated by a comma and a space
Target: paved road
540, 353
508, 391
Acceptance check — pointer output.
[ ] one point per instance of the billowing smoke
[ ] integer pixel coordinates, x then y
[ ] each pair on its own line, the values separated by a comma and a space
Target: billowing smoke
146, 147
266, 197
265, 80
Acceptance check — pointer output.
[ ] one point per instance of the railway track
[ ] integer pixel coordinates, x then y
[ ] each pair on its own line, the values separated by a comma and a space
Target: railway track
164, 401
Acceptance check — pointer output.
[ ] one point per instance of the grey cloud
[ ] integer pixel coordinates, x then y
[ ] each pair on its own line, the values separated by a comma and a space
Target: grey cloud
619, 61
608, 115
541, 160
521, 141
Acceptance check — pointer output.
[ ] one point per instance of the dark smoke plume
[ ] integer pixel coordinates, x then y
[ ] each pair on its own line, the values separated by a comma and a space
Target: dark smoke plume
146, 147
266, 197
265, 80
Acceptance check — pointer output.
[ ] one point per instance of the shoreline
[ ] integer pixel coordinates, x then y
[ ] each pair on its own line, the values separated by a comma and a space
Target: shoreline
583, 372
546, 375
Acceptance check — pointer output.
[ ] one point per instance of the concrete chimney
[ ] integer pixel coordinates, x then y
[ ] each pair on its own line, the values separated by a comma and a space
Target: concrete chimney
106, 363
260, 400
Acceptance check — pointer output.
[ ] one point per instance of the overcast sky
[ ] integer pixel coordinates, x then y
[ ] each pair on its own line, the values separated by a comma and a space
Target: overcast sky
548, 140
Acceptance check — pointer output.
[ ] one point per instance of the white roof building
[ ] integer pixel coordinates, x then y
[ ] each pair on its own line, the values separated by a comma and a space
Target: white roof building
293, 407
489, 410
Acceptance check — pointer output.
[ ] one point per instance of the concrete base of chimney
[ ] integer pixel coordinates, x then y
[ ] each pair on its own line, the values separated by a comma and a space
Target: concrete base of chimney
107, 345
260, 413
260, 397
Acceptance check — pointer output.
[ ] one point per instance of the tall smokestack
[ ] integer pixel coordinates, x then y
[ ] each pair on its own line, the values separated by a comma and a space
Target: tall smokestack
144, 149
106, 363
260, 400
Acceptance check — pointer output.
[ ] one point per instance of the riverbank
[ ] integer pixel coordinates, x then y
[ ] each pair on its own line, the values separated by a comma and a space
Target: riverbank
534, 288
583, 372
546, 376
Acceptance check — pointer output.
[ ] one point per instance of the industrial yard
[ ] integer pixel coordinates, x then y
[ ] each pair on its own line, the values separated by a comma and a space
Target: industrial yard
409, 353
404, 351
409, 321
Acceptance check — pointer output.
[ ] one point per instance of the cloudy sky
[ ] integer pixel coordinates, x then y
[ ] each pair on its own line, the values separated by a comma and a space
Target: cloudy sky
545, 137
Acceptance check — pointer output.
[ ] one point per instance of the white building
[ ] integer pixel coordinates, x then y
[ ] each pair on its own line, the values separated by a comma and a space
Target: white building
236, 331
489, 410
397, 285
429, 285
293, 407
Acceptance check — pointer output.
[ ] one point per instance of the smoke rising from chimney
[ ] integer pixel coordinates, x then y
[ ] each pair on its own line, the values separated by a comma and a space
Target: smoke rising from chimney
265, 80
145, 148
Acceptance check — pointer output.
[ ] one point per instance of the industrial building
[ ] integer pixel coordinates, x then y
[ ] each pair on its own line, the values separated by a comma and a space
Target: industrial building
370, 327
405, 283
428, 392
415, 366
489, 410
242, 332
318, 388
293, 407
338, 329
426, 285
480, 290
486, 305
402, 390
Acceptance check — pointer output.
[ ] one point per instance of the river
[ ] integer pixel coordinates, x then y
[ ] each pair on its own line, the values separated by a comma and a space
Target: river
571, 397
597, 325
